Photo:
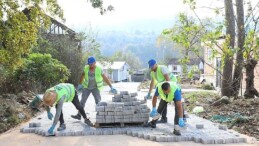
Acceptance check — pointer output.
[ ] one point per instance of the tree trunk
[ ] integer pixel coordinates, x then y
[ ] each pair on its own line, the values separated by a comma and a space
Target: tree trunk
250, 92
240, 43
227, 89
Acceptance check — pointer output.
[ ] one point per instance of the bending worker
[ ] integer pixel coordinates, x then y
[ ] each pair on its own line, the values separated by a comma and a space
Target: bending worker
159, 73
92, 82
168, 92
57, 95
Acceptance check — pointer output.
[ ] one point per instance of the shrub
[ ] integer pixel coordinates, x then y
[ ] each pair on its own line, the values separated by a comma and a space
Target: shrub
41, 71
207, 87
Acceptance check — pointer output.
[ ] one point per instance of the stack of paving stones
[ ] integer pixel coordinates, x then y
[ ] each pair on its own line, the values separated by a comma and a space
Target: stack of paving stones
124, 108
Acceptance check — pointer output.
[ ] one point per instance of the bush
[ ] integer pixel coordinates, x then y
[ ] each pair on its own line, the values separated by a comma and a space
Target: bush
41, 71
207, 87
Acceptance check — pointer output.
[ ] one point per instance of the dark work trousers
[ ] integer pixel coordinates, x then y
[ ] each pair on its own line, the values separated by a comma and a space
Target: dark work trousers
162, 106
78, 106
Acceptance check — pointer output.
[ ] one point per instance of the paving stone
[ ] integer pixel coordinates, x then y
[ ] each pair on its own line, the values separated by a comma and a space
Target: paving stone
207, 141
146, 136
219, 141
199, 126
102, 113
118, 109
129, 132
135, 133
111, 113
152, 137
124, 93
32, 125
140, 135
99, 108
133, 94
110, 109
102, 103
126, 96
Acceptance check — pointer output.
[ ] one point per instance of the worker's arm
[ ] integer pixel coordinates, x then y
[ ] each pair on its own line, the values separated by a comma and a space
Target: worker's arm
178, 102
155, 98
106, 80
167, 77
58, 110
82, 78
151, 86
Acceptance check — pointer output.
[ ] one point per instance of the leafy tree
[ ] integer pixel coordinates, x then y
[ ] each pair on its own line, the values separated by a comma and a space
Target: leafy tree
19, 31
130, 58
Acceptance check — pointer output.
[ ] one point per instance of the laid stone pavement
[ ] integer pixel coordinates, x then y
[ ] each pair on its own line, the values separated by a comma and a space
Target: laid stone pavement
198, 130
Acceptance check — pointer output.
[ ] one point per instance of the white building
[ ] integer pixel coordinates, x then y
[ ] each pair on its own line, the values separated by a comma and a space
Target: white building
175, 67
117, 71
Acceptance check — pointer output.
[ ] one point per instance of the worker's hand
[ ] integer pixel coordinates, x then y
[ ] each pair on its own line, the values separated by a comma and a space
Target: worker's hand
153, 112
79, 87
113, 90
147, 97
50, 116
181, 122
51, 130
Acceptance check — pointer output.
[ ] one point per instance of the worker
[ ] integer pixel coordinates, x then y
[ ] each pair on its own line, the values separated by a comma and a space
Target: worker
168, 91
91, 81
159, 73
57, 95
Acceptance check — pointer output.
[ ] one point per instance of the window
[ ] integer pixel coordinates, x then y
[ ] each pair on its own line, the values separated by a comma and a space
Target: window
174, 67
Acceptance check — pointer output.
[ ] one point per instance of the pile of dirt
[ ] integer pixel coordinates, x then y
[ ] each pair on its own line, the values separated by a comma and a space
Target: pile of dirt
240, 114
14, 109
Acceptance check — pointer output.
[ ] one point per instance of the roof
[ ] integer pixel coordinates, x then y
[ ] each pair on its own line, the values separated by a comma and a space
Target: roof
193, 61
114, 65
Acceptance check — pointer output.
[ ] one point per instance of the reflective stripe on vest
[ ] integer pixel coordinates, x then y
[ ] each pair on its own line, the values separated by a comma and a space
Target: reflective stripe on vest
170, 97
98, 77
64, 89
159, 77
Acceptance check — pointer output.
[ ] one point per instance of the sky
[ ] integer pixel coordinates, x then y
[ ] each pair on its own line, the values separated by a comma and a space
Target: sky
80, 13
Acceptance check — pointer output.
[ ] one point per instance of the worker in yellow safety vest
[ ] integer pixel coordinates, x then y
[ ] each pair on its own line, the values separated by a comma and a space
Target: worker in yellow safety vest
57, 95
159, 73
91, 81
168, 92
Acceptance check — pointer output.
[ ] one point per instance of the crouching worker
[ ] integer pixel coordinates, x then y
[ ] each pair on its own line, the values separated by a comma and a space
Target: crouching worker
57, 95
168, 91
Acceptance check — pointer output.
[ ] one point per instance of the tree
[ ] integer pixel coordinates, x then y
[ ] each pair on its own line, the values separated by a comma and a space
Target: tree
226, 89
240, 44
19, 32
130, 58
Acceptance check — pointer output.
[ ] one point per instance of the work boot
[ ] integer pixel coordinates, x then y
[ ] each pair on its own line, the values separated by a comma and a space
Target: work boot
162, 120
77, 116
177, 132
88, 122
150, 124
61, 127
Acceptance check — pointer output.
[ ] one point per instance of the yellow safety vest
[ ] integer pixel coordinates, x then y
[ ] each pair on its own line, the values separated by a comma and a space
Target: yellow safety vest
159, 77
64, 89
98, 77
170, 97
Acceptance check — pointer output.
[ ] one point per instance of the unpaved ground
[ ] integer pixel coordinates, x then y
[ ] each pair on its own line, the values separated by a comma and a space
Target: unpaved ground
241, 115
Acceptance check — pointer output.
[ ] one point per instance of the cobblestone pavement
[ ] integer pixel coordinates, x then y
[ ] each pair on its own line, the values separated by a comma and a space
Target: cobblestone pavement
197, 130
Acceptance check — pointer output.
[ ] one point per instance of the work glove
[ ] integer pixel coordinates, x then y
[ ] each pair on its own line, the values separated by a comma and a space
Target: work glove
113, 90
153, 112
181, 122
79, 88
148, 96
50, 116
51, 130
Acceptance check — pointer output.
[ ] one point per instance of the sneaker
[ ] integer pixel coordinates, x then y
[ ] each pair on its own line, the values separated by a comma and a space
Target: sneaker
162, 120
177, 132
150, 124
88, 122
77, 116
61, 127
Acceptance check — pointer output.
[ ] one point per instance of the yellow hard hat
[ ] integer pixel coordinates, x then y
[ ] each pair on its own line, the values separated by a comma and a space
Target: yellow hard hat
49, 98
